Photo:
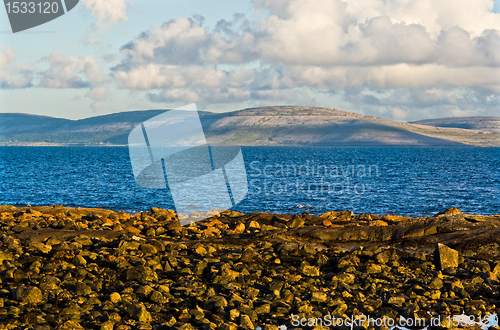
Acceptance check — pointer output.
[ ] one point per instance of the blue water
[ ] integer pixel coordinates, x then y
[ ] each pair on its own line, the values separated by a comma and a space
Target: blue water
399, 180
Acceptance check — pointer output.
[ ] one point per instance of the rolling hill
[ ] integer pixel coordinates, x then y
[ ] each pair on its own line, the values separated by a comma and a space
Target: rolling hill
284, 125
488, 124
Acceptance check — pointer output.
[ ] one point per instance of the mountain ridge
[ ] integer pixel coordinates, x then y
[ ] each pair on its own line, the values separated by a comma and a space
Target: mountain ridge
279, 125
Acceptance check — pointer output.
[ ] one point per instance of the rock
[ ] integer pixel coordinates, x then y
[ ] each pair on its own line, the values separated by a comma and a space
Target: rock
82, 289
296, 222
394, 218
41, 247
246, 322
108, 325
142, 274
30, 295
50, 284
115, 297
327, 223
319, 296
141, 314
133, 230
200, 277
450, 211
373, 269
129, 245
344, 278
4, 255
309, 270
262, 309
397, 301
157, 297
201, 250
445, 257
329, 214
79, 261
436, 284
148, 248
70, 325
378, 223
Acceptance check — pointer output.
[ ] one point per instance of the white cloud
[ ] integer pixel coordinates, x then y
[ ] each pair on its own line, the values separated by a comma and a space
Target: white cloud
72, 72
108, 12
414, 57
98, 93
77, 72
11, 74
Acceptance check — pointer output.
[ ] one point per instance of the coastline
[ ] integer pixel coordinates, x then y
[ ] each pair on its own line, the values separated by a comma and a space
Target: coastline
90, 268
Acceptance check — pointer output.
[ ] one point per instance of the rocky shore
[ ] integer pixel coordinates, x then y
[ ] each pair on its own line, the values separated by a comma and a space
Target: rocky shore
67, 268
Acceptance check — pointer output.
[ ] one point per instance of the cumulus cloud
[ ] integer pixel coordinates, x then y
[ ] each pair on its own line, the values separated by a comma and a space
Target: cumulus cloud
98, 93
72, 72
11, 74
395, 58
77, 72
107, 13
323, 45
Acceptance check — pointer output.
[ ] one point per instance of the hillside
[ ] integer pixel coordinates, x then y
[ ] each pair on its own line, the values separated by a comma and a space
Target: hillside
285, 125
488, 124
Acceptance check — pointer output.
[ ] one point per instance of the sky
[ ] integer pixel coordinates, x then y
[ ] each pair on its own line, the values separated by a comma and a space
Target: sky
397, 59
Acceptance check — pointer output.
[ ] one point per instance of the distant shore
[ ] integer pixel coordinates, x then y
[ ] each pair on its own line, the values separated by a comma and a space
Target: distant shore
84, 268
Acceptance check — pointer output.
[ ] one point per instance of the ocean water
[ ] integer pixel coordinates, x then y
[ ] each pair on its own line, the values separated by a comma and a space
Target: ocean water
412, 181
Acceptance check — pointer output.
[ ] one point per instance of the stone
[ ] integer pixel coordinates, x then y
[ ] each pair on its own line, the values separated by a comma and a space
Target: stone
296, 222
30, 295
246, 322
70, 325
4, 255
141, 314
201, 250
397, 301
346, 278
373, 269
115, 297
445, 257
148, 248
319, 296
240, 228
133, 230
79, 261
450, 211
108, 325
309, 270
436, 283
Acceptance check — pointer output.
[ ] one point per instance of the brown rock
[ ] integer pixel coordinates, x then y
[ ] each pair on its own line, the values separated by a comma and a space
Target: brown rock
133, 230
445, 257
450, 211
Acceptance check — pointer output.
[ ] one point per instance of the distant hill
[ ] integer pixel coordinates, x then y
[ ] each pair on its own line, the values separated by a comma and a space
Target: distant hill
488, 124
285, 125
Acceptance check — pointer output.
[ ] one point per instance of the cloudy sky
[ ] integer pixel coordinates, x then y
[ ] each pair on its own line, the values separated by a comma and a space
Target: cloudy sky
397, 59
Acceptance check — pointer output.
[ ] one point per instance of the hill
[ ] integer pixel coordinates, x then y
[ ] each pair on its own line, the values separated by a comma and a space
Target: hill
487, 124
285, 125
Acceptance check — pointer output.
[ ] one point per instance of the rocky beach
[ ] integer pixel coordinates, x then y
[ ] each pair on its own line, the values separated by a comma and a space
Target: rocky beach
77, 268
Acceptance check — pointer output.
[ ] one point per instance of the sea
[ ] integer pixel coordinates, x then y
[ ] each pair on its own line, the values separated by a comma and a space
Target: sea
410, 181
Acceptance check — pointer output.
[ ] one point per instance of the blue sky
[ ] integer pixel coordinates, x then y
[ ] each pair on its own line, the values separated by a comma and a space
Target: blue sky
388, 59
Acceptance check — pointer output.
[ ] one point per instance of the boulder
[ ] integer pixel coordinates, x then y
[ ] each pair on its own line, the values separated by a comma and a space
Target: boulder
445, 257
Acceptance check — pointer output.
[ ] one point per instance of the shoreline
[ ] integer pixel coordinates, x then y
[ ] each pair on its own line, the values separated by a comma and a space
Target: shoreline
94, 268
268, 146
